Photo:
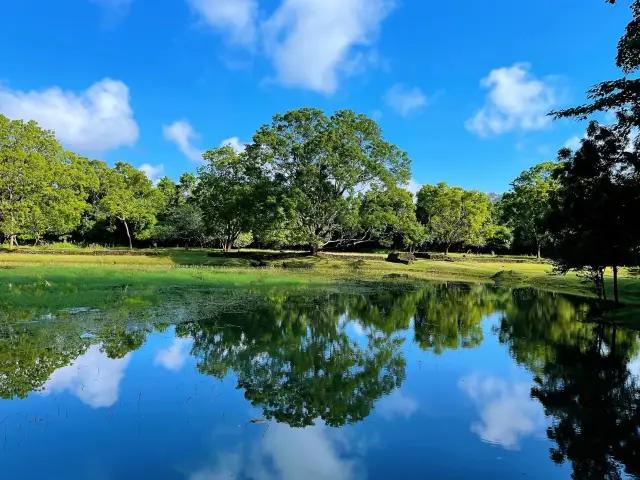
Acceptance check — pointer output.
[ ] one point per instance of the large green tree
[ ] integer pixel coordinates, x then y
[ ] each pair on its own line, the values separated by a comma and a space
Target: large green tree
320, 165
129, 197
525, 208
595, 210
454, 216
231, 192
42, 186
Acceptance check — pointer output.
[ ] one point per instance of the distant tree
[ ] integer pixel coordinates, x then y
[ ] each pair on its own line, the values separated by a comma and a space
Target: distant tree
453, 215
500, 238
42, 186
595, 210
129, 197
527, 206
228, 192
320, 164
388, 213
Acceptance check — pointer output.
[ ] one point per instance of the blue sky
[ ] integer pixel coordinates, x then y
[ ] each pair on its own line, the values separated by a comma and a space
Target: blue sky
462, 86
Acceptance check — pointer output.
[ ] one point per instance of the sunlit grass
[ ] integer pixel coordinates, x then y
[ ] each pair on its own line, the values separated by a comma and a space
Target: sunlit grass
197, 268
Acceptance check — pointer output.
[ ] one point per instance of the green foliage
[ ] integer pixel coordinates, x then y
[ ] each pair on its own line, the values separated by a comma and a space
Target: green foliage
319, 164
229, 188
527, 206
42, 187
130, 198
594, 219
454, 216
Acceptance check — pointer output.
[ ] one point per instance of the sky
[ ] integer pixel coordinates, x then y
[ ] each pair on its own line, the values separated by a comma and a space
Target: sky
463, 86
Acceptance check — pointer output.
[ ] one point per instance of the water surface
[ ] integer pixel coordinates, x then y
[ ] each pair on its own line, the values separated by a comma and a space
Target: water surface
436, 381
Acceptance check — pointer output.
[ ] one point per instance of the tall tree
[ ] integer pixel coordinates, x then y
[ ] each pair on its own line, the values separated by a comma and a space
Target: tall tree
229, 192
526, 206
320, 164
453, 215
42, 187
595, 211
131, 199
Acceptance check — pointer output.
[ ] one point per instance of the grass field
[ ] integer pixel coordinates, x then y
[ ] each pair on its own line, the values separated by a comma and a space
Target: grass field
179, 267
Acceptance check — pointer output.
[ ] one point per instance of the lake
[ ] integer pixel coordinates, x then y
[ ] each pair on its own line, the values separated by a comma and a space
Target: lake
442, 380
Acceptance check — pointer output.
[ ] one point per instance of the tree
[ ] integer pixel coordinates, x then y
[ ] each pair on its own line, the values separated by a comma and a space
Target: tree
130, 198
527, 206
453, 215
319, 165
388, 213
42, 187
594, 214
229, 189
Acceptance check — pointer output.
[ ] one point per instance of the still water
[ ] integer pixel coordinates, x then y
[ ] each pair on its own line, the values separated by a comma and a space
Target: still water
436, 381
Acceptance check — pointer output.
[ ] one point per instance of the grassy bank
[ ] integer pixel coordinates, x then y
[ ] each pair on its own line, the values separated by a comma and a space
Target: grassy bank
201, 268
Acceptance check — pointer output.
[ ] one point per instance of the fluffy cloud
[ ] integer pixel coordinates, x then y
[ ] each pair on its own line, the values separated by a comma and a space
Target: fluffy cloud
98, 119
312, 42
507, 411
174, 357
517, 100
237, 18
152, 172
93, 378
235, 142
405, 100
182, 134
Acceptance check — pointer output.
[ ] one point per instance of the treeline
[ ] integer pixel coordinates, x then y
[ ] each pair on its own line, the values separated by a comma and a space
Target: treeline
312, 181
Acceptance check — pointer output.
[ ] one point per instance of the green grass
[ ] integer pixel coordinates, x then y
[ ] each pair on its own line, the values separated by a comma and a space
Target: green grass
196, 268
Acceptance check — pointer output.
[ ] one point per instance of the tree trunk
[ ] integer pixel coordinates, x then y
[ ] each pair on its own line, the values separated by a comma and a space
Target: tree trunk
126, 227
12, 240
313, 250
446, 250
538, 252
615, 285
604, 288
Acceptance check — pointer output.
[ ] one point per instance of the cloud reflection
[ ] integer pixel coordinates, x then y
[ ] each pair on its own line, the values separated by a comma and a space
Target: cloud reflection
506, 409
397, 405
174, 357
93, 378
312, 453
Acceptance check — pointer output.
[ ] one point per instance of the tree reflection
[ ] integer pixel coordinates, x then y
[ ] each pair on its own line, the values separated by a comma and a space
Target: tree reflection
582, 380
448, 316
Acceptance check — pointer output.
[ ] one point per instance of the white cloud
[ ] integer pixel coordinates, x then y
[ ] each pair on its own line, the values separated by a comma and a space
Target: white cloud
152, 172
174, 357
235, 142
633, 140
507, 411
413, 186
183, 134
236, 18
313, 42
397, 405
93, 378
406, 100
517, 100
98, 119
573, 143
